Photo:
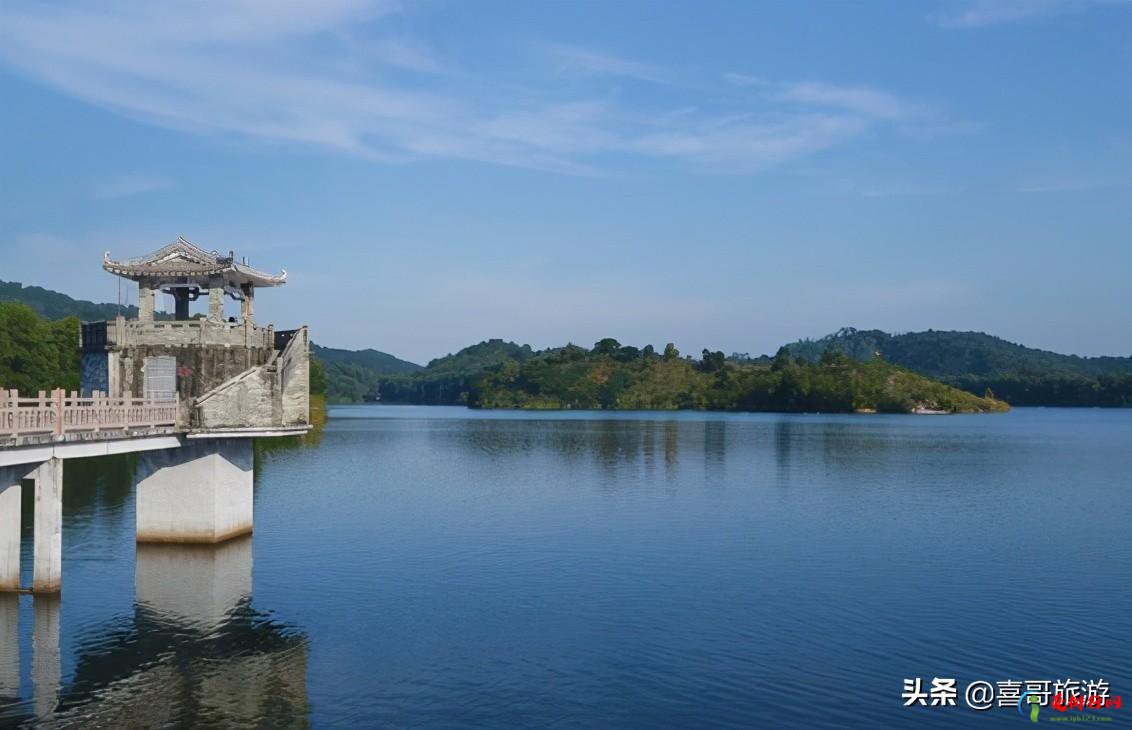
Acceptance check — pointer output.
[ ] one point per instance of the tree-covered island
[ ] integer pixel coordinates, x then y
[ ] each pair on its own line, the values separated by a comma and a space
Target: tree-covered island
614, 376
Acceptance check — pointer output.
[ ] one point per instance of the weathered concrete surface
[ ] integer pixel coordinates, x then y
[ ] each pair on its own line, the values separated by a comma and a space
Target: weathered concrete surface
47, 564
33, 454
246, 401
294, 380
9, 645
201, 493
197, 585
146, 300
10, 493
274, 395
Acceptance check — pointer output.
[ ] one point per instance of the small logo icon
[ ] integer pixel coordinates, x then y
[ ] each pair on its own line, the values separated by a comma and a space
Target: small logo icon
1034, 702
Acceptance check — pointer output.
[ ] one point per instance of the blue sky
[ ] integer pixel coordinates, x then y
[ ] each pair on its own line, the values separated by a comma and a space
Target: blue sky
724, 175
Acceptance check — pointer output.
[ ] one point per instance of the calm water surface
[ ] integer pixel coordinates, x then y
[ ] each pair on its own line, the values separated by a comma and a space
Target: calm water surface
442, 567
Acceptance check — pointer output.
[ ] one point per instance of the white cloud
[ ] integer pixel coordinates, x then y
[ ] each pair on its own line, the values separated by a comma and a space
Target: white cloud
330, 74
127, 185
580, 60
981, 13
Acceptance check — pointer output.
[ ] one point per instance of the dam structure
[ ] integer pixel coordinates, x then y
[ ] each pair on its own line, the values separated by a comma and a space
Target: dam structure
188, 393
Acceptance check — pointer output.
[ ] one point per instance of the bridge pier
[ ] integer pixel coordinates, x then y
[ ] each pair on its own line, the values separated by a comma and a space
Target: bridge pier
200, 493
47, 568
10, 492
47, 559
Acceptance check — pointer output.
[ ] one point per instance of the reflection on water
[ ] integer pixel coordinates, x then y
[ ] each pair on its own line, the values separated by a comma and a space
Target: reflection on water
191, 650
440, 567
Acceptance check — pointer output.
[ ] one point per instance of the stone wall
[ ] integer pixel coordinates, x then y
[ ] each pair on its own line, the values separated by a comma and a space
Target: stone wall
199, 369
273, 395
123, 333
294, 379
247, 401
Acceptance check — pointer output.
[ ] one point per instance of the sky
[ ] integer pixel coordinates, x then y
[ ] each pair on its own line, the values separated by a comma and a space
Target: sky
723, 175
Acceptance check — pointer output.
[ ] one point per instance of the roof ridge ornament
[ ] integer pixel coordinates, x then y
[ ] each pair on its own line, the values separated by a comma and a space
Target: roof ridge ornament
183, 262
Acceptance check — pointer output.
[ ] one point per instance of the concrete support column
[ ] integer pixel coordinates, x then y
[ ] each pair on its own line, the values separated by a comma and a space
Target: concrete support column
45, 660
216, 302
9, 646
47, 571
145, 302
10, 493
199, 493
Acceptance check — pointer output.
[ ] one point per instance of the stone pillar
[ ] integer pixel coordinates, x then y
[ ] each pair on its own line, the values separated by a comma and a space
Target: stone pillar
9, 646
248, 305
199, 493
145, 302
197, 585
10, 493
180, 304
47, 569
216, 301
45, 665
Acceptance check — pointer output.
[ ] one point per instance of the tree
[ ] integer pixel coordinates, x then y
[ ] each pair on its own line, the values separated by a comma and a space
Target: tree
833, 356
670, 352
712, 362
606, 346
782, 360
317, 377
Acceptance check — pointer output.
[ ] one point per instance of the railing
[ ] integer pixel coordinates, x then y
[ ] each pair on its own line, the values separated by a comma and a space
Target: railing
123, 333
58, 414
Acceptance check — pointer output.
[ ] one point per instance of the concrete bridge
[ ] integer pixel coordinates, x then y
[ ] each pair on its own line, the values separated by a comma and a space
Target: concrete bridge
210, 385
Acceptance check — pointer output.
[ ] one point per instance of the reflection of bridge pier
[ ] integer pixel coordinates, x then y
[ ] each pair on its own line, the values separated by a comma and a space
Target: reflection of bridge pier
198, 585
46, 666
192, 652
9, 645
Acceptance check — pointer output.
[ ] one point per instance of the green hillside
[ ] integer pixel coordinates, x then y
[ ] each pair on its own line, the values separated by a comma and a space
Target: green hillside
975, 362
612, 376
53, 305
352, 374
447, 380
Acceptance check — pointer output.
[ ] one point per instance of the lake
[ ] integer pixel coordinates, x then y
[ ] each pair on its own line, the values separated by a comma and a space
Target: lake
439, 567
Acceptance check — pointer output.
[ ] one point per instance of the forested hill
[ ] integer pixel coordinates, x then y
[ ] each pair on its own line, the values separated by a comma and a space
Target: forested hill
976, 361
612, 376
53, 305
950, 354
447, 380
353, 374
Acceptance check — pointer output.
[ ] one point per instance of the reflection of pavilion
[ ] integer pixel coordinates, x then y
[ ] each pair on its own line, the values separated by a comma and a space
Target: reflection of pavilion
194, 652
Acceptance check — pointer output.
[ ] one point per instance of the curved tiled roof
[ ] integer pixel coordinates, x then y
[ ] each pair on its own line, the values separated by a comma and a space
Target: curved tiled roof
184, 259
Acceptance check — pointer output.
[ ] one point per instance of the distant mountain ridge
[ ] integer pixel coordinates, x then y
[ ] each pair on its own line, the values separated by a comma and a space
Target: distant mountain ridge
380, 362
352, 374
973, 361
447, 380
976, 362
947, 353
54, 305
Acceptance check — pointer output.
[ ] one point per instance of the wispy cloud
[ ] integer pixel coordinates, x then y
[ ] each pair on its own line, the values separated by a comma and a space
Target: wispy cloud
861, 100
981, 13
575, 59
334, 75
127, 185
